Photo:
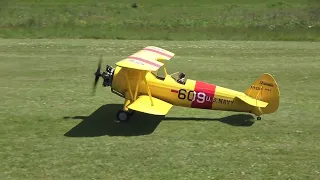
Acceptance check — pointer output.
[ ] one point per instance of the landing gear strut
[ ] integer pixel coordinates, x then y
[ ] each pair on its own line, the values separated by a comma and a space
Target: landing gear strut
123, 116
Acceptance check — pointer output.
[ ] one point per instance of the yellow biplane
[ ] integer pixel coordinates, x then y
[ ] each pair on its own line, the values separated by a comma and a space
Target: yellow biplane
137, 79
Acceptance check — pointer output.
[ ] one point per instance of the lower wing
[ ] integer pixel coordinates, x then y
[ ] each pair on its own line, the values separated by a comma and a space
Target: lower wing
143, 104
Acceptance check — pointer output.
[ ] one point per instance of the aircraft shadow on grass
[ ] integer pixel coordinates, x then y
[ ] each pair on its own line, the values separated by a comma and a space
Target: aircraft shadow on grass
103, 122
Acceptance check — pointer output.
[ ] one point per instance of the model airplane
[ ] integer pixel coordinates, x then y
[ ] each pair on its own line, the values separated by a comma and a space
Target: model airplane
136, 79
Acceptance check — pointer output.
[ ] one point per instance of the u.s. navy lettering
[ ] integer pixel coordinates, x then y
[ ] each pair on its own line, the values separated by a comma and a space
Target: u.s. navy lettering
201, 97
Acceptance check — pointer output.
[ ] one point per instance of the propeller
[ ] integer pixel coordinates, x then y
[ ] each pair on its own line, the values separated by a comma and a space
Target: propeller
97, 75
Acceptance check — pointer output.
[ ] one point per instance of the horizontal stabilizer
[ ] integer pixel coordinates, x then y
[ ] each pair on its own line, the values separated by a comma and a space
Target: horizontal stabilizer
253, 102
143, 104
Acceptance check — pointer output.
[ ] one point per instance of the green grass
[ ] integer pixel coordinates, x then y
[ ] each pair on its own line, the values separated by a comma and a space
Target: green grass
43, 82
297, 20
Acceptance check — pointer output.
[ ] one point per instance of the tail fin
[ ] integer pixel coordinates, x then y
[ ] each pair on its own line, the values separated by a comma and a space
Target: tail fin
265, 89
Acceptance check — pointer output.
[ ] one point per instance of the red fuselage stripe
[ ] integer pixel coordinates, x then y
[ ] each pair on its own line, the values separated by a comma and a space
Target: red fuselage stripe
159, 52
205, 94
145, 61
175, 91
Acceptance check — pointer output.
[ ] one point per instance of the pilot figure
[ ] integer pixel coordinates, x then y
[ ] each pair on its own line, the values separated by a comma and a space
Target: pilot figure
182, 79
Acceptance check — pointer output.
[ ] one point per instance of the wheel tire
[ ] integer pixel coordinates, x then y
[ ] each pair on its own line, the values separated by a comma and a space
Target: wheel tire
123, 116
259, 118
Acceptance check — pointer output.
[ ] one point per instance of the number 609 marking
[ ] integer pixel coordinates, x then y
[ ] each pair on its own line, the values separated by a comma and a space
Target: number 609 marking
201, 97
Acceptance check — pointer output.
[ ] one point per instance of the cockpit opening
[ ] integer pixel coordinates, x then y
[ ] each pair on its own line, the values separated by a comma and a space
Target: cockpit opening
179, 77
182, 79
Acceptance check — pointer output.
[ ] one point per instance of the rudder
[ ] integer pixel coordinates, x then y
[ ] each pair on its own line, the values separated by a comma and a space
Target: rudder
265, 89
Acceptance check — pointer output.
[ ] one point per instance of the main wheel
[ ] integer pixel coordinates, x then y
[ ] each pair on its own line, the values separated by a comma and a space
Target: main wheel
258, 118
123, 115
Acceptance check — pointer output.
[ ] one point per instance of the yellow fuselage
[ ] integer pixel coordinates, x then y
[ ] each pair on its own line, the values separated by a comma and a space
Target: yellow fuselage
194, 94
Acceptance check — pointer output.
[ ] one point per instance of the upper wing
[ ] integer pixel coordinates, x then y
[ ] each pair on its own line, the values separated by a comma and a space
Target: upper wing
158, 53
146, 59
143, 104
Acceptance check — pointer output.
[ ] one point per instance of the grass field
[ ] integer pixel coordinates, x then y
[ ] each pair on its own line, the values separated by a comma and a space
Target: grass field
52, 128
297, 20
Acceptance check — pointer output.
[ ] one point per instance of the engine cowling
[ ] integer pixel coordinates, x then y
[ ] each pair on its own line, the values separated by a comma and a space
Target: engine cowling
107, 76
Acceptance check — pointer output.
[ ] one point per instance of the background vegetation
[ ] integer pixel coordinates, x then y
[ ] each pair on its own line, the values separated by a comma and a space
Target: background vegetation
52, 128
165, 19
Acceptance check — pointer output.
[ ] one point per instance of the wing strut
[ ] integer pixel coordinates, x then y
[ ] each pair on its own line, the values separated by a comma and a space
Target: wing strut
149, 92
129, 87
164, 67
137, 87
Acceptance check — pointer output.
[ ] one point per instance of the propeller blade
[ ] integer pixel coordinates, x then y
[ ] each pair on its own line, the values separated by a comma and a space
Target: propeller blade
99, 65
97, 75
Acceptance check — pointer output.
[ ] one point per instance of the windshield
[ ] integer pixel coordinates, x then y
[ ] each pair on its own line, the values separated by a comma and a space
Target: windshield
160, 73
175, 75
